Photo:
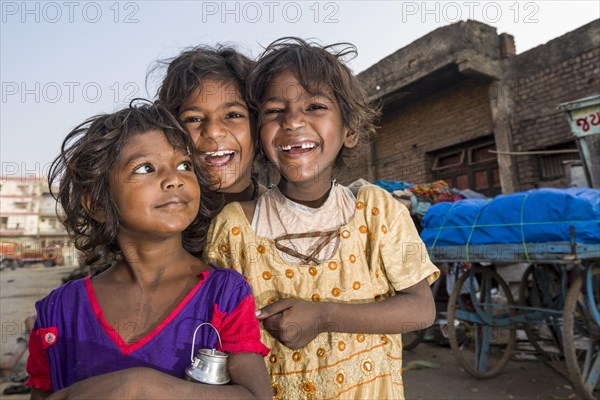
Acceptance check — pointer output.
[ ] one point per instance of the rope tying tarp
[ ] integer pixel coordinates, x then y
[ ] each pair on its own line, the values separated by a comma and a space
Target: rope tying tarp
535, 216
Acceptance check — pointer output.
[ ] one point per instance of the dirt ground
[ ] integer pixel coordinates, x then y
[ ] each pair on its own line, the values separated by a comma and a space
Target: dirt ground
431, 370
520, 380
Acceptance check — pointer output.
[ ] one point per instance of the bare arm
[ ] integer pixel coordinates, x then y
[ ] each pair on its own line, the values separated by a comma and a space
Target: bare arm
248, 370
296, 322
249, 380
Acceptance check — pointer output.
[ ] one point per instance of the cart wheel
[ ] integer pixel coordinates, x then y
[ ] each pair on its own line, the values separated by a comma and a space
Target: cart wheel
541, 287
410, 340
480, 331
582, 332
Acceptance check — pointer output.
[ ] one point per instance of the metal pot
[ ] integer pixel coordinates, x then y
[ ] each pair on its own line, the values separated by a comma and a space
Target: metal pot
209, 365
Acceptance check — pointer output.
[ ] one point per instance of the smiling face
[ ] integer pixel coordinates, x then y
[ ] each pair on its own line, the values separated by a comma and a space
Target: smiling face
302, 134
154, 187
218, 120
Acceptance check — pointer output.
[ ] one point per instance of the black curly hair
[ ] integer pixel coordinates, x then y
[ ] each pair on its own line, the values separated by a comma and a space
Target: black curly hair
317, 67
82, 169
188, 71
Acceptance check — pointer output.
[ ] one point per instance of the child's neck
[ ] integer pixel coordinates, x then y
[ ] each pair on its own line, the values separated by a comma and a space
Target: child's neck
313, 194
148, 263
249, 193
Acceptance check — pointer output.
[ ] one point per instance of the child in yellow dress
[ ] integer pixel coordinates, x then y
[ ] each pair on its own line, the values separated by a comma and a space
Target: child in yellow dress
337, 277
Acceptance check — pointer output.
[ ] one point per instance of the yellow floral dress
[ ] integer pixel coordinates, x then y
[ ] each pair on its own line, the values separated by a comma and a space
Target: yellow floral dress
379, 253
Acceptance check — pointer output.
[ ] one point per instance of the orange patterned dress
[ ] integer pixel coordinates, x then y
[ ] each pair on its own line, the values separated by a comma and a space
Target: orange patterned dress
379, 252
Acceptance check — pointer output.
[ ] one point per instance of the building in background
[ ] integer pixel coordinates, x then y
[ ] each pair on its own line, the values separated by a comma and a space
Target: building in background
460, 105
30, 230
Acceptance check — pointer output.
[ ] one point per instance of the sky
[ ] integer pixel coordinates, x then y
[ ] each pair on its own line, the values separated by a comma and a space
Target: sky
62, 62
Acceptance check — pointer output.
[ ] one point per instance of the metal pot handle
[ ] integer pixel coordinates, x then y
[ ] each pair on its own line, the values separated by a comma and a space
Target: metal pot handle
194, 338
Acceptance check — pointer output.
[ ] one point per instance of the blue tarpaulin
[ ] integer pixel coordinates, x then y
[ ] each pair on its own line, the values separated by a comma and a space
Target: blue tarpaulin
534, 216
390, 186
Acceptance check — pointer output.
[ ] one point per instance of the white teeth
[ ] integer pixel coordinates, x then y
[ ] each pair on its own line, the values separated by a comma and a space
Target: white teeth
219, 153
302, 146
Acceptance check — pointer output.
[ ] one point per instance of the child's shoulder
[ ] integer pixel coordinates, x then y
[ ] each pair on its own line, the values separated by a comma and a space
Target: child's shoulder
373, 193
377, 204
233, 219
227, 274
230, 213
228, 278
75, 285
67, 293
235, 207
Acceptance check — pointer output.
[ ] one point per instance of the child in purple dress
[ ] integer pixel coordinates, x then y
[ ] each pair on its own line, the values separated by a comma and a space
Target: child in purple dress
130, 191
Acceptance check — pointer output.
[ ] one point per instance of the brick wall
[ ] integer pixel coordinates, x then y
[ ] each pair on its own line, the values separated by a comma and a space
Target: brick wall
536, 123
533, 84
356, 166
409, 133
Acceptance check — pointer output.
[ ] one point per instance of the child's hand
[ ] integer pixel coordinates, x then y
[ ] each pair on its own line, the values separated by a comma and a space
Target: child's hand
293, 322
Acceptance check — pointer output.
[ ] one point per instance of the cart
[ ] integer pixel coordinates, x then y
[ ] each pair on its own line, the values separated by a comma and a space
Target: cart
559, 291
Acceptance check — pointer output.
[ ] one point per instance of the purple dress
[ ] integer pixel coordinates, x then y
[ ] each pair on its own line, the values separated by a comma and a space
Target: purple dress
72, 341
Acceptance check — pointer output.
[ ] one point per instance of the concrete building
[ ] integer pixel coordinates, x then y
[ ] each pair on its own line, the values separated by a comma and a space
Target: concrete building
19, 207
458, 104
29, 222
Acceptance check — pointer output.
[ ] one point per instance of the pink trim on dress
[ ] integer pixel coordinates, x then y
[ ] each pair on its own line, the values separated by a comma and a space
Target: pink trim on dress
240, 330
38, 366
125, 348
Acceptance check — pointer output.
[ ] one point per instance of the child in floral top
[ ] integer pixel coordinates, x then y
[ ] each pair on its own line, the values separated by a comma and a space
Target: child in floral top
338, 276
